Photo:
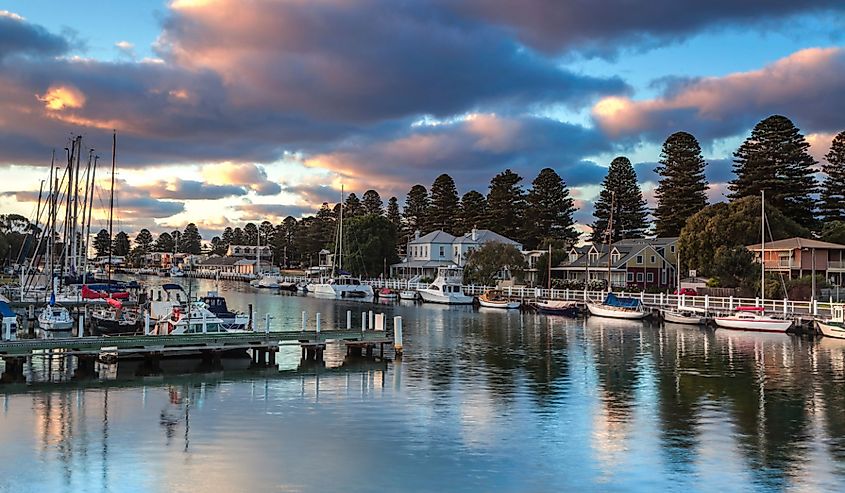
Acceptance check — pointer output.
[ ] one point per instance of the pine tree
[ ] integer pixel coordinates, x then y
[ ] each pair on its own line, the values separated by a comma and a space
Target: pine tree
416, 210
267, 231
372, 203
228, 235
832, 206
682, 190
629, 213
144, 241
506, 205
120, 245
352, 206
177, 240
191, 241
473, 212
549, 212
443, 211
102, 243
775, 159
164, 243
250, 235
237, 237
393, 214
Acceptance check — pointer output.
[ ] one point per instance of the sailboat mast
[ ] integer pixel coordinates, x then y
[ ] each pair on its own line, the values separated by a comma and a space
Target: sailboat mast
340, 250
550, 267
763, 247
85, 226
610, 238
111, 196
258, 252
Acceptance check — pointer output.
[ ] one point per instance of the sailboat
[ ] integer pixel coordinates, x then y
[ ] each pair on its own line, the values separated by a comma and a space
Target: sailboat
340, 284
754, 317
55, 317
687, 315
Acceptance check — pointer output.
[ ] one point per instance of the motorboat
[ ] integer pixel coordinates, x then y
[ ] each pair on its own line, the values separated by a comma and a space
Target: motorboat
216, 304
387, 294
494, 299
54, 317
192, 318
343, 286
753, 318
409, 295
8, 320
266, 281
557, 307
834, 326
446, 288
685, 315
302, 287
616, 307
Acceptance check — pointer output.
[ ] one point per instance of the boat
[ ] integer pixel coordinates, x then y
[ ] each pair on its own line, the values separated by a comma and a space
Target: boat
754, 318
834, 326
54, 317
266, 281
684, 315
175, 271
114, 320
409, 295
446, 288
216, 304
557, 307
387, 294
302, 287
616, 307
494, 299
192, 318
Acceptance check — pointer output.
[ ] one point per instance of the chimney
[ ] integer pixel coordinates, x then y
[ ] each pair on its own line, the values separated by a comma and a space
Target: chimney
474, 234
417, 234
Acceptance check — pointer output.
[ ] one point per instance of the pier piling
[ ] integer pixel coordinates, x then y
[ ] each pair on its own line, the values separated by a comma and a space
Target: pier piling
397, 336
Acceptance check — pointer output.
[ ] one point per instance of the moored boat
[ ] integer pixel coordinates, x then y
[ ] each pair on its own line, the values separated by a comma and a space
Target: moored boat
408, 294
55, 317
557, 307
615, 307
446, 288
753, 318
684, 315
834, 326
387, 294
494, 299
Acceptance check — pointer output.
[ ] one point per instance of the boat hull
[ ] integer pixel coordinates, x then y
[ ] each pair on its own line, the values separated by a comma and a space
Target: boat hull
431, 296
408, 295
678, 318
599, 310
831, 329
758, 325
341, 291
507, 305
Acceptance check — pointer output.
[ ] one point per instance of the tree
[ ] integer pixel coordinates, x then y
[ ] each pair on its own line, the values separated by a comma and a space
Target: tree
775, 158
372, 203
283, 241
834, 232
730, 224
218, 247
120, 245
267, 232
493, 259
416, 210
473, 212
228, 235
250, 234
352, 206
734, 267
682, 189
393, 214
238, 237
164, 243
542, 265
102, 243
371, 241
191, 241
832, 196
177, 240
506, 205
443, 210
549, 212
144, 241
629, 214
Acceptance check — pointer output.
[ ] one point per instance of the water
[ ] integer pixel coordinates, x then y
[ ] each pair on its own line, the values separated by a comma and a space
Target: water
484, 400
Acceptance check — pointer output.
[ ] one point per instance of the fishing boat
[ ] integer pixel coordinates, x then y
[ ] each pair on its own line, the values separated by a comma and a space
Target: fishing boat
834, 326
557, 307
54, 317
684, 315
446, 288
616, 307
495, 299
408, 295
387, 294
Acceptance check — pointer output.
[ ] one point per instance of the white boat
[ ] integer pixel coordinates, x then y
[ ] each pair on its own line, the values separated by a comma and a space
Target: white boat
493, 299
175, 271
267, 281
343, 286
446, 288
55, 317
614, 307
193, 318
387, 294
753, 318
684, 315
835, 325
408, 294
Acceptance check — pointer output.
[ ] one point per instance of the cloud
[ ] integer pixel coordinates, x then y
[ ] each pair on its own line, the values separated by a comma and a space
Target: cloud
271, 212
125, 48
806, 85
191, 190
19, 37
248, 175
59, 97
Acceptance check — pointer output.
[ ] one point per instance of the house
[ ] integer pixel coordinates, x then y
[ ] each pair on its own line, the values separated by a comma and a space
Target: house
632, 263
798, 257
249, 251
235, 265
425, 254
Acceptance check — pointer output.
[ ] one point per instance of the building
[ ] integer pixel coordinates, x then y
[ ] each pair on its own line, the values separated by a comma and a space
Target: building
235, 265
249, 251
633, 263
425, 254
798, 257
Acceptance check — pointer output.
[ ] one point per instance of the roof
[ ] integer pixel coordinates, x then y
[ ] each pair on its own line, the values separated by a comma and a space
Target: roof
797, 244
434, 237
627, 249
485, 236
659, 241
424, 264
220, 261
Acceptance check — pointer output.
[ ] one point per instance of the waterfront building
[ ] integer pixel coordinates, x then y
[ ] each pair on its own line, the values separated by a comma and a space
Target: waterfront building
236, 265
798, 257
249, 251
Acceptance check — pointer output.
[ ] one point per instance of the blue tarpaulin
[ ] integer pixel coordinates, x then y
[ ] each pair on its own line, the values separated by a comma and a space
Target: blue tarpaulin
6, 310
613, 300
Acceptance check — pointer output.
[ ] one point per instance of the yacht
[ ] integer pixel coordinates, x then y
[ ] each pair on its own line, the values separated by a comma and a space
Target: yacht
266, 281
113, 319
216, 304
55, 317
835, 325
175, 271
615, 307
446, 288
192, 318
685, 315
408, 294
557, 307
343, 286
495, 299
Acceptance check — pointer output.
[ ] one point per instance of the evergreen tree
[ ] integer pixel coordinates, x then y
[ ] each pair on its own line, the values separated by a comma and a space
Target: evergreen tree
549, 212
352, 206
267, 232
393, 212
144, 241
775, 159
629, 213
832, 206
177, 240
682, 190
473, 212
370, 244
250, 234
102, 243
121, 245
238, 237
506, 205
218, 247
416, 210
372, 203
443, 211
228, 235
190, 240
164, 243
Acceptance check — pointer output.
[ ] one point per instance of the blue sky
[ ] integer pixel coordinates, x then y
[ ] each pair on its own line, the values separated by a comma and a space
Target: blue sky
231, 111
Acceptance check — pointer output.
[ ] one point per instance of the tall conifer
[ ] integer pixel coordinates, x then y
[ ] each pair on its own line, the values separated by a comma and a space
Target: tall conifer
549, 211
473, 212
832, 206
682, 190
416, 210
629, 214
443, 210
506, 205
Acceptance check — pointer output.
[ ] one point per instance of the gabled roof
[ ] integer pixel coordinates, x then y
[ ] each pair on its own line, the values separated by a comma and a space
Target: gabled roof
220, 261
434, 237
485, 236
797, 244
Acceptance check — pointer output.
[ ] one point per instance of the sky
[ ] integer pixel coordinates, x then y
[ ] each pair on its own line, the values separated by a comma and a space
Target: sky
229, 111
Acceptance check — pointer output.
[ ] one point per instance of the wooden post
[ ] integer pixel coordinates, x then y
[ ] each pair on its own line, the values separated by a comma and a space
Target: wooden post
372, 320
81, 326
348, 319
204, 323
7, 331
146, 322
318, 322
706, 302
397, 336
304, 320
785, 302
267, 323
251, 324
731, 303
363, 321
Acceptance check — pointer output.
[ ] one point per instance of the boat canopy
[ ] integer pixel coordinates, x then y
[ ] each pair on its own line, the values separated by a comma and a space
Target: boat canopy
171, 287
613, 300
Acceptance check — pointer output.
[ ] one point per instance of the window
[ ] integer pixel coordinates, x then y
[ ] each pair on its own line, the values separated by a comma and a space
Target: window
594, 256
650, 277
442, 251
630, 277
573, 256
639, 259
653, 259
639, 277
672, 248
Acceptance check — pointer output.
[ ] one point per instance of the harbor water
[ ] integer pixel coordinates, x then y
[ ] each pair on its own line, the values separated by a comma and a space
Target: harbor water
483, 400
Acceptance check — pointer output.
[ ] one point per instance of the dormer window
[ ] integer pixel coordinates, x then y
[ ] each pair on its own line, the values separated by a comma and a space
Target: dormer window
573, 256
594, 256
